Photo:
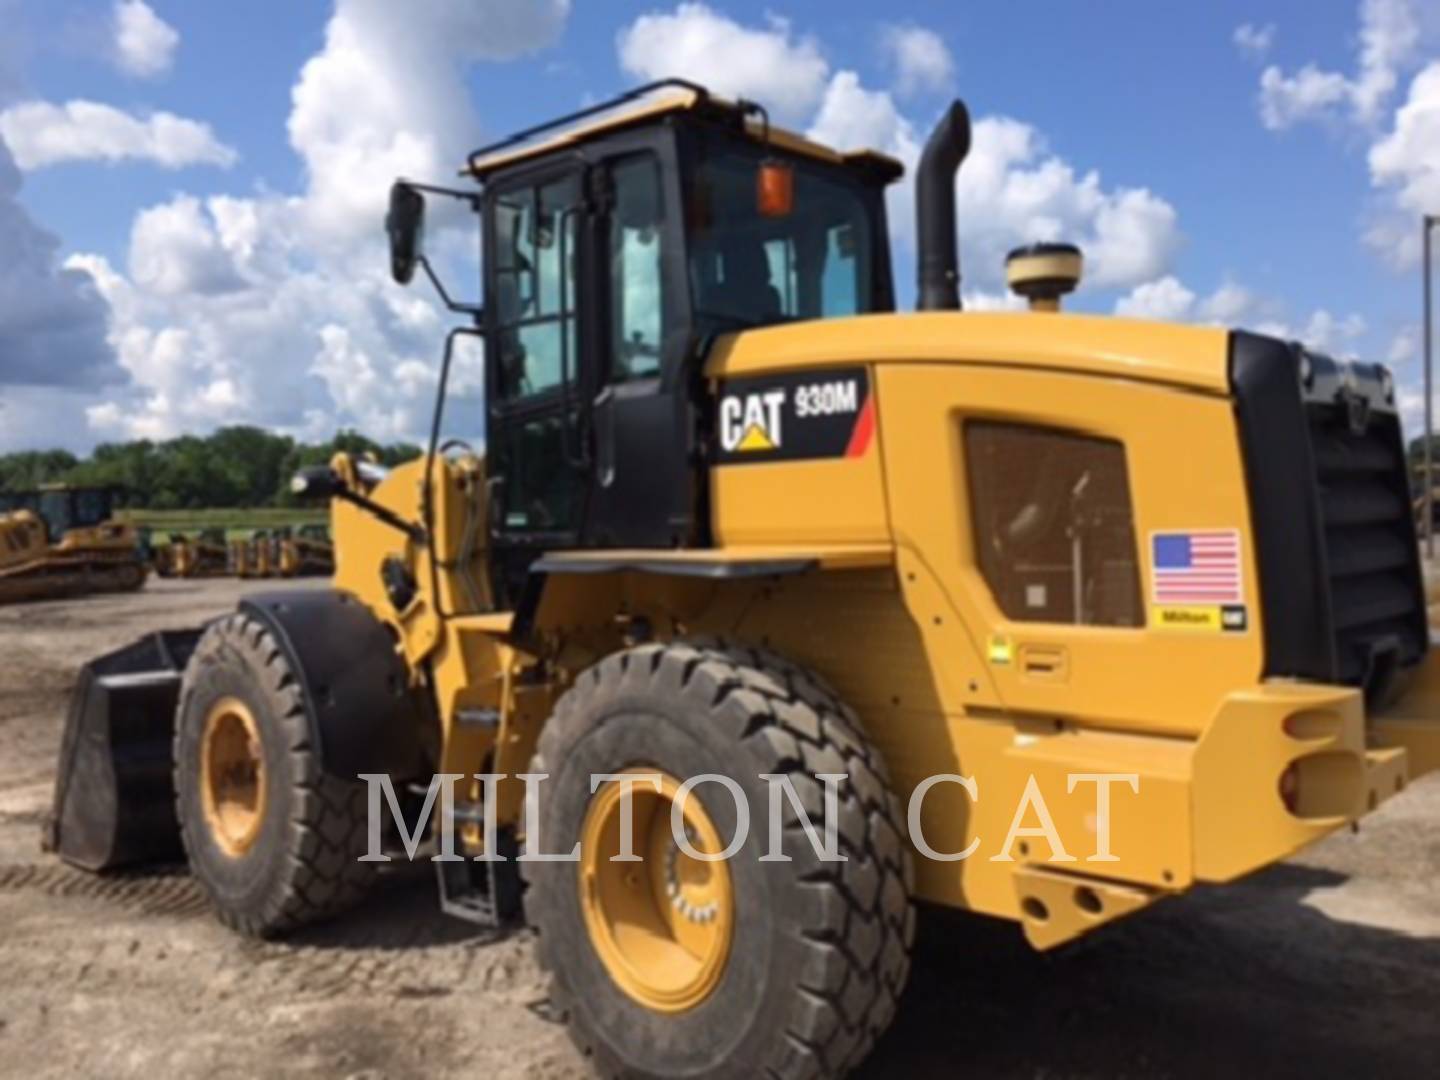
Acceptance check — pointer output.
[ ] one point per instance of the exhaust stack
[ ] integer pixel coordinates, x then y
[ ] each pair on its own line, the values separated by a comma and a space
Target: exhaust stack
939, 257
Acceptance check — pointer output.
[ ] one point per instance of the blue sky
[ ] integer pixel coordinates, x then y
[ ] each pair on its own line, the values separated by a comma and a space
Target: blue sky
211, 174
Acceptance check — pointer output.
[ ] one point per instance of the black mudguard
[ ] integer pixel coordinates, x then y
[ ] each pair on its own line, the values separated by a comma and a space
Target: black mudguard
114, 795
362, 714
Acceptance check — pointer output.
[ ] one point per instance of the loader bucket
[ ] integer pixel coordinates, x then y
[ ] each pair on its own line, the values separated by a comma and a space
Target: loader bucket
114, 796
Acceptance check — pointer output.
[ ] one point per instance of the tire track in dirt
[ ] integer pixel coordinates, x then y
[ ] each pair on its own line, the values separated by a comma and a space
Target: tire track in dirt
168, 894
402, 948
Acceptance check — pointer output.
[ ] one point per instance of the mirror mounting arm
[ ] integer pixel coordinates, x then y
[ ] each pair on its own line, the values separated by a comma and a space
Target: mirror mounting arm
475, 311
404, 223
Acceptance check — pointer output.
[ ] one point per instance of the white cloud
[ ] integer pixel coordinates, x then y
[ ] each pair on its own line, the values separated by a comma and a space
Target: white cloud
386, 97
1286, 99
41, 134
1404, 347
1012, 189
144, 42
854, 118
1390, 33
277, 309
1411, 402
1332, 333
1228, 305
177, 248
52, 318
1254, 41
1167, 299
983, 300
784, 73
1164, 299
1389, 36
920, 58
1405, 164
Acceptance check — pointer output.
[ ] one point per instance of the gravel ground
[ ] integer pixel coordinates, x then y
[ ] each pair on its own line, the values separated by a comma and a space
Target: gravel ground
1329, 965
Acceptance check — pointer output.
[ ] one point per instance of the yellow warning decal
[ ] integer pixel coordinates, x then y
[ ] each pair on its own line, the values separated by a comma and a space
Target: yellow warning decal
1215, 618
1000, 650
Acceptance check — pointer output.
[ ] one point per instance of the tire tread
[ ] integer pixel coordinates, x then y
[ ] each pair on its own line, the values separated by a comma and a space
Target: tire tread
861, 922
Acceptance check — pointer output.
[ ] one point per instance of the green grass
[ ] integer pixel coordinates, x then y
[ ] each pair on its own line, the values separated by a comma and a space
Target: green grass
237, 523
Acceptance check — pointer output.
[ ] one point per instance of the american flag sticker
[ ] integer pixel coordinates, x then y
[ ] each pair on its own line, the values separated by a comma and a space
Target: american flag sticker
1201, 567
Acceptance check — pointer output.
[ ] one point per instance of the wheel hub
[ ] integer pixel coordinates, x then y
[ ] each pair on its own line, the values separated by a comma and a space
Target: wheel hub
662, 925
232, 776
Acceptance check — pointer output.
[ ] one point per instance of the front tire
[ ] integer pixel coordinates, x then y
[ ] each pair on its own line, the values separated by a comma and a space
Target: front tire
815, 953
273, 840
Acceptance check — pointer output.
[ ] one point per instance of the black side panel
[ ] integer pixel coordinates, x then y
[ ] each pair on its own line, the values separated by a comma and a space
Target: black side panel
1287, 533
362, 715
114, 797
644, 470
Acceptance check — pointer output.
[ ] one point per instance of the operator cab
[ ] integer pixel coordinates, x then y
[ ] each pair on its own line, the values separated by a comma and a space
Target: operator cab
63, 508
617, 244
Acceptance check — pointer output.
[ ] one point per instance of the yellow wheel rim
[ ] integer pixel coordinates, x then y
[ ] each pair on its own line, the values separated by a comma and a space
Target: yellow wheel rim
232, 776
662, 926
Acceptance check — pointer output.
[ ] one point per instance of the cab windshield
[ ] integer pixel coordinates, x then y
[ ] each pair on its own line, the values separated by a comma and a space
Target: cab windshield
65, 510
751, 269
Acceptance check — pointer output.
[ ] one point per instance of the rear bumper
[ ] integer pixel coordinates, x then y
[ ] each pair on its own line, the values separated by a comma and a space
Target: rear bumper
1280, 766
1412, 724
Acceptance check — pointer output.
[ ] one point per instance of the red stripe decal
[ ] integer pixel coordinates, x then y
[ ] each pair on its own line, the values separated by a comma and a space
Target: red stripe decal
864, 429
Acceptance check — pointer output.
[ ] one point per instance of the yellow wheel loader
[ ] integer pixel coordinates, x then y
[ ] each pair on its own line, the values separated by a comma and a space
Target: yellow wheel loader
769, 610
63, 541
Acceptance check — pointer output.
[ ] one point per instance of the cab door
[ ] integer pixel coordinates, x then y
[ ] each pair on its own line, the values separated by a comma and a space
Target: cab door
592, 428
646, 465
535, 258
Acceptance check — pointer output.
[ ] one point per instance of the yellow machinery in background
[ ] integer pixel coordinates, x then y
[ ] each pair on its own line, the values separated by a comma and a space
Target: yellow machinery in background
307, 552
65, 541
204, 554
161, 557
238, 558
255, 556
1045, 616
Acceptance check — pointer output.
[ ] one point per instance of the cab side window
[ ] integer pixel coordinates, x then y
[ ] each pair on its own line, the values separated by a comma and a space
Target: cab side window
535, 266
1054, 526
637, 284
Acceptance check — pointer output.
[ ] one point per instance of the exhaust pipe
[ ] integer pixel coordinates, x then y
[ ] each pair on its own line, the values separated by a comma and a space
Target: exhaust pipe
938, 249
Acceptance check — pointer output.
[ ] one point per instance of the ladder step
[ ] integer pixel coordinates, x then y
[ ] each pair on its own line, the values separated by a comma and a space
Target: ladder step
484, 893
483, 719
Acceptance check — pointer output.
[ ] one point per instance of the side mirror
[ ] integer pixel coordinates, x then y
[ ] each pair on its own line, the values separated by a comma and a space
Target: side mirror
405, 223
316, 482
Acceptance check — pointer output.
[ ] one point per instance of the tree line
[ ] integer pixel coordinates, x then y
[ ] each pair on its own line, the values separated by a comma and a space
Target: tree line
234, 467
237, 467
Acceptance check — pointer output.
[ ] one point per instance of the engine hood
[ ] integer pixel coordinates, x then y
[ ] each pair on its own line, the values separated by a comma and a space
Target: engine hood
1193, 357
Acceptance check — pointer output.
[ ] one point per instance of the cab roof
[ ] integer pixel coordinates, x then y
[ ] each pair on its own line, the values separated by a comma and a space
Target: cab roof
649, 103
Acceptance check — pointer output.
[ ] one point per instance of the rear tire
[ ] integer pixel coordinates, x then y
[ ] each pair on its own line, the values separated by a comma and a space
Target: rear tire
273, 840
819, 952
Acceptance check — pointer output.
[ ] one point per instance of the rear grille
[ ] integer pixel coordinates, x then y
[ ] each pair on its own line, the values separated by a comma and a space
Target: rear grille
1371, 560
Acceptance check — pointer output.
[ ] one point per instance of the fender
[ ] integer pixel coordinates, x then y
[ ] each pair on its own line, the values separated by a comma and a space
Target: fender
361, 713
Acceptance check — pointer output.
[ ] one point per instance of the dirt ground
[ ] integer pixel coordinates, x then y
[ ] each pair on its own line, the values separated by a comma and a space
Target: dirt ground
1329, 965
